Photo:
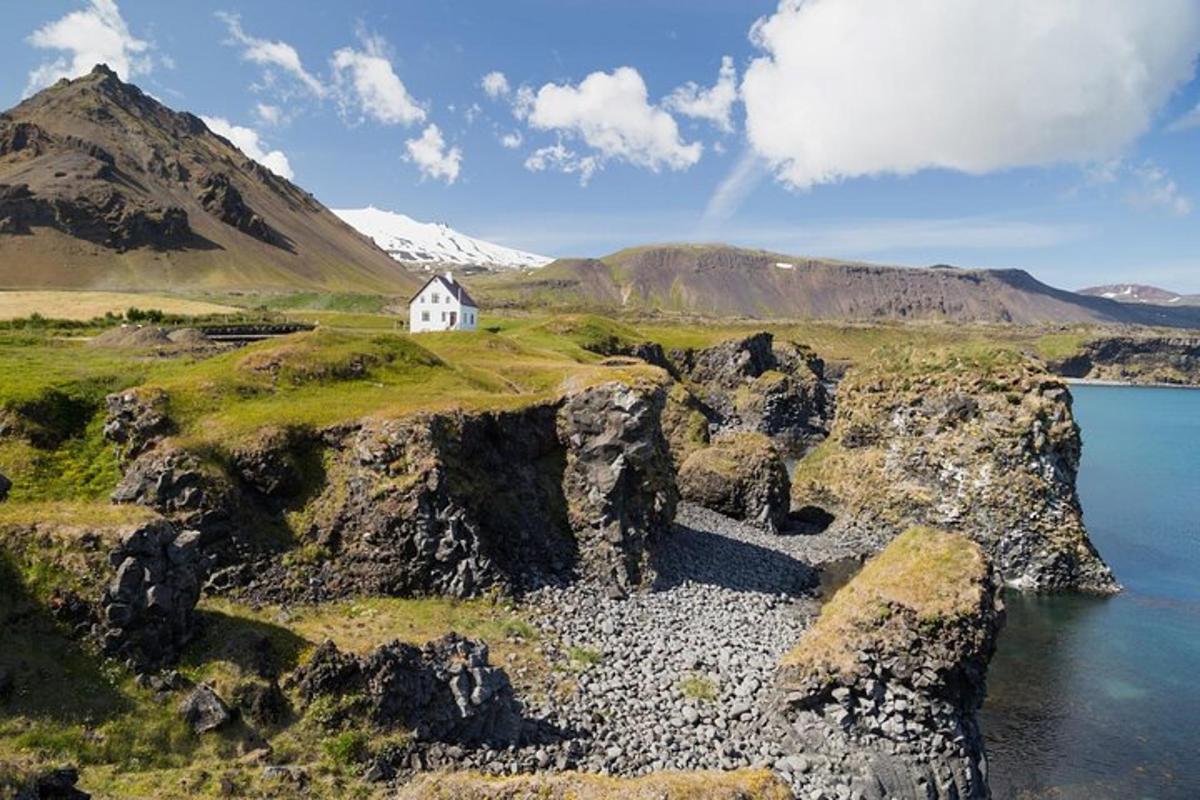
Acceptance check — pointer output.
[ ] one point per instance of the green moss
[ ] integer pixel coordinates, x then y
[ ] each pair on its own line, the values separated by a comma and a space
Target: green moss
927, 575
699, 687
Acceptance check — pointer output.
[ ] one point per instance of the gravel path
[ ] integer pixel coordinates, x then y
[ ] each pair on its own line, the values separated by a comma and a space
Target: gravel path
677, 677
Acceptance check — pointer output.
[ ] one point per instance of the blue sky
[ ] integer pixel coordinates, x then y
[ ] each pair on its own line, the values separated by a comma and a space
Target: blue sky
1053, 136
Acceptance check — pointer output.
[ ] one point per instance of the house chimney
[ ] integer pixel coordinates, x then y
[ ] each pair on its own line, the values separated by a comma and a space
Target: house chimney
450, 276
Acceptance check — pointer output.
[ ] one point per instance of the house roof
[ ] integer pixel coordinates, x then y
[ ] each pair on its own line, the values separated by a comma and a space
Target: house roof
456, 290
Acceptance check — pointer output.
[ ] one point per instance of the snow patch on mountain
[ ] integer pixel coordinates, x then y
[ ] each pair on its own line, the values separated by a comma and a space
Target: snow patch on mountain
412, 242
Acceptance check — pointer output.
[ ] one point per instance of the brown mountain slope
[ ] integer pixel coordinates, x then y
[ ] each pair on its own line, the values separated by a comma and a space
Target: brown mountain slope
102, 186
726, 281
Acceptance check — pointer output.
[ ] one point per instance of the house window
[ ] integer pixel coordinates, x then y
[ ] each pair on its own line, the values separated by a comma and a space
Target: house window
443, 316
424, 316
435, 298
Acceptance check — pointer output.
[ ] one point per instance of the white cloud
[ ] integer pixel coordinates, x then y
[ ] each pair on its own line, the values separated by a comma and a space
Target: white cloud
610, 112
562, 159
249, 142
430, 155
512, 140
268, 53
714, 103
495, 84
745, 176
1156, 189
366, 79
1188, 121
93, 35
269, 114
848, 88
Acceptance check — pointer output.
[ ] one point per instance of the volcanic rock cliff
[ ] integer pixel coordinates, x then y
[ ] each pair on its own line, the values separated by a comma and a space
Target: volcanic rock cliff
984, 444
886, 684
1135, 359
101, 185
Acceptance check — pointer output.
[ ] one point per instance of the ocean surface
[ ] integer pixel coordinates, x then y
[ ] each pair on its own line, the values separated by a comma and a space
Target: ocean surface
1100, 698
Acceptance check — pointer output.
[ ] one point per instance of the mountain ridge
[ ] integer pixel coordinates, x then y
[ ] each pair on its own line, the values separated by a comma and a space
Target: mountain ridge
104, 187
720, 280
1141, 293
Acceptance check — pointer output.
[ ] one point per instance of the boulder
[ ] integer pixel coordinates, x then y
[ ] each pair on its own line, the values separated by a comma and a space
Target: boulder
445, 691
203, 710
148, 608
619, 482
167, 479
5, 487
261, 703
740, 475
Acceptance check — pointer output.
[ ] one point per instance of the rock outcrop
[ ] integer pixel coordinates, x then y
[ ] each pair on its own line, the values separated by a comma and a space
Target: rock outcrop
740, 475
148, 610
880, 696
758, 384
618, 483
136, 419
1135, 359
5, 487
985, 445
444, 692
455, 503
55, 784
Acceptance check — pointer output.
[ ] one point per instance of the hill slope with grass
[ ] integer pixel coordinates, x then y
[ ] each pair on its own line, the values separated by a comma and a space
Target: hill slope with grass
722, 281
104, 187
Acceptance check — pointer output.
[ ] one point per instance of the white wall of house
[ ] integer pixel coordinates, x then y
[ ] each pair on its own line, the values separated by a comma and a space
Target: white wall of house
436, 309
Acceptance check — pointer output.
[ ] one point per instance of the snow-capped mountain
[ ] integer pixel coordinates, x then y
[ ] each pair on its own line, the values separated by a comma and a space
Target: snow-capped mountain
413, 242
1140, 293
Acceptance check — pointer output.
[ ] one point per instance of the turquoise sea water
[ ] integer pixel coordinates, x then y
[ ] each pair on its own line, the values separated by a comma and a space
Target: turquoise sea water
1100, 698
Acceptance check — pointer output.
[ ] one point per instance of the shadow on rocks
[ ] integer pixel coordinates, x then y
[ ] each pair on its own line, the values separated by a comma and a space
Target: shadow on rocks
702, 557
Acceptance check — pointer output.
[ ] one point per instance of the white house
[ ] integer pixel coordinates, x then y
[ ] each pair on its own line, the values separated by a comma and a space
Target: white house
442, 305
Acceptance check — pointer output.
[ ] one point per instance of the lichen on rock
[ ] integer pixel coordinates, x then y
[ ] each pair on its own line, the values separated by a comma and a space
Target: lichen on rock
984, 443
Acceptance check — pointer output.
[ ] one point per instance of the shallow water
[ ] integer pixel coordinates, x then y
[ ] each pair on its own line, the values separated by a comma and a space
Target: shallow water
1100, 698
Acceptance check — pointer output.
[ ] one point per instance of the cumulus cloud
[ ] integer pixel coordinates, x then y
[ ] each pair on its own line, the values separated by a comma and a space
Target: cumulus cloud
714, 103
611, 113
512, 140
495, 84
562, 159
847, 88
249, 142
96, 34
1156, 189
431, 156
367, 81
267, 53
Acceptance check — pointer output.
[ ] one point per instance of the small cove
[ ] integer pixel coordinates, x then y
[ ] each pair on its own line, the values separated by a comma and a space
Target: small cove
1099, 698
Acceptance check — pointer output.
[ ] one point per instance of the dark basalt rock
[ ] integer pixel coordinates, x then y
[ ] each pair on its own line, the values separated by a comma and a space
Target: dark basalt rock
1137, 359
903, 723
619, 481
102, 215
169, 480
445, 691
261, 703
740, 475
57, 784
148, 608
757, 384
203, 710
456, 503
5, 487
136, 419
222, 199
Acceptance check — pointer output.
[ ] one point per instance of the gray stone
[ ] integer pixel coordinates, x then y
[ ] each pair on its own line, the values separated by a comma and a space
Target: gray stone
203, 710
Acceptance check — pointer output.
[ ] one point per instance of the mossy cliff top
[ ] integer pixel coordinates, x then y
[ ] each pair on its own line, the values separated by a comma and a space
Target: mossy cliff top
735, 785
925, 580
977, 440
